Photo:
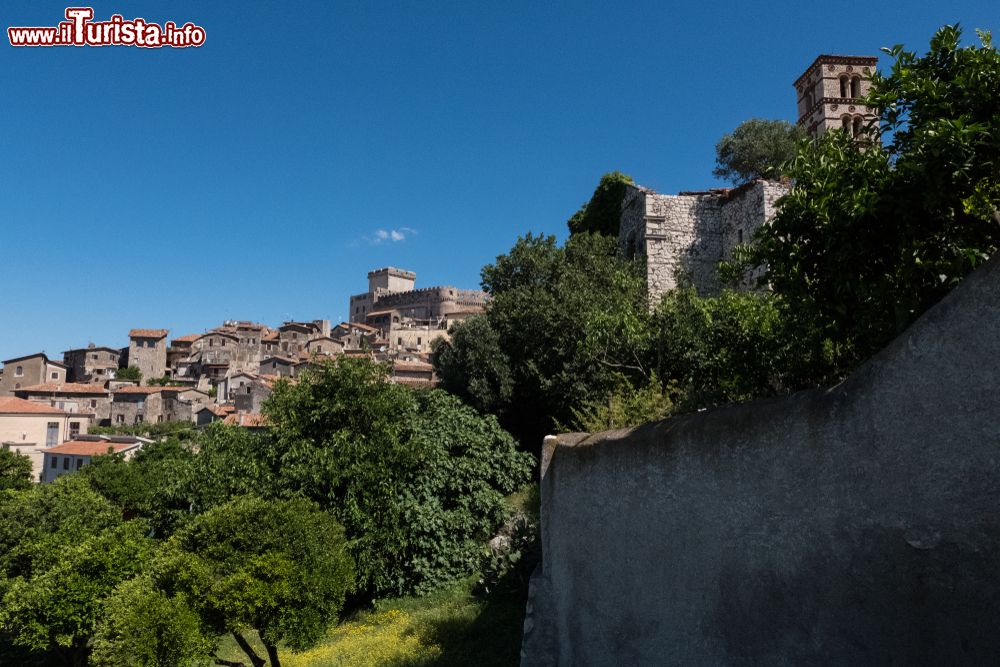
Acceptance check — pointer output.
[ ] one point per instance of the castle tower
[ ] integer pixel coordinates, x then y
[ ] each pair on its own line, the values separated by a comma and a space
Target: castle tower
829, 91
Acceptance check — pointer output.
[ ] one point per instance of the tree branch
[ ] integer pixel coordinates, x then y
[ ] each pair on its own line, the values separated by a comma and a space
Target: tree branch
228, 663
255, 659
272, 653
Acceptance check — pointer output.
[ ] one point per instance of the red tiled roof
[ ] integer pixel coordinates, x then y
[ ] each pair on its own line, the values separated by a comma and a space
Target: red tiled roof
271, 336
418, 383
277, 358
190, 338
19, 406
90, 447
147, 333
412, 366
220, 332
132, 389
65, 388
251, 420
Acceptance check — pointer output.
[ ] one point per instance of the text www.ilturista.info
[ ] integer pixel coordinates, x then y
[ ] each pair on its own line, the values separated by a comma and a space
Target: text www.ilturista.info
80, 30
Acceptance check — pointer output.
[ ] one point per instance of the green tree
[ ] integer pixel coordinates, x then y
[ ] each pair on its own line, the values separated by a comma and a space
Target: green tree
731, 347
474, 366
160, 483
56, 609
625, 407
871, 236
279, 568
142, 626
756, 149
38, 523
130, 373
414, 505
15, 470
565, 326
601, 214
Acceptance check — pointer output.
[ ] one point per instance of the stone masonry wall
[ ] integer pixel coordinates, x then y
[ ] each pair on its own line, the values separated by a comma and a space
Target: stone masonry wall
857, 525
684, 237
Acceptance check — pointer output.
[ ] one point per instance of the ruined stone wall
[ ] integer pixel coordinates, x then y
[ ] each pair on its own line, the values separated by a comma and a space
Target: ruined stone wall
684, 237
857, 525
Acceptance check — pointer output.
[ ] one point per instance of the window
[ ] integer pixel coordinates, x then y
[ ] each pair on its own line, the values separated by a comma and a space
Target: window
79, 463
65, 463
223, 342
17, 386
399, 341
19, 371
52, 434
845, 122
418, 340
844, 87
54, 375
856, 87
858, 126
74, 429
138, 419
94, 356
55, 461
739, 236
120, 419
93, 402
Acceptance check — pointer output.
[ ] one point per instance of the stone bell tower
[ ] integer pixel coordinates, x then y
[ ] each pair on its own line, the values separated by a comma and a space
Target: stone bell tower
829, 92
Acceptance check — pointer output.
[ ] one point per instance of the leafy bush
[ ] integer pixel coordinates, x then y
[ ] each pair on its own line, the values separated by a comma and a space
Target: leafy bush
417, 478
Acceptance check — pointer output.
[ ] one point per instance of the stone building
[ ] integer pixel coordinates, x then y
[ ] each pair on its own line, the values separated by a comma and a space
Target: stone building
88, 399
147, 350
91, 364
30, 370
135, 405
829, 92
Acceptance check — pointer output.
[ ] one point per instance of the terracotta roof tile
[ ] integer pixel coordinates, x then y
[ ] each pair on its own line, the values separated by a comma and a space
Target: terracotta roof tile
90, 447
251, 420
19, 406
412, 366
147, 333
132, 389
190, 338
65, 388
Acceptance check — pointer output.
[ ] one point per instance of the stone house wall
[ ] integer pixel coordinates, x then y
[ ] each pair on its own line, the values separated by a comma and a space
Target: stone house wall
149, 355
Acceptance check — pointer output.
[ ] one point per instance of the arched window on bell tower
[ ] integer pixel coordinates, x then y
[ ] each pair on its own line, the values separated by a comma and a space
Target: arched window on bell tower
845, 86
859, 125
856, 86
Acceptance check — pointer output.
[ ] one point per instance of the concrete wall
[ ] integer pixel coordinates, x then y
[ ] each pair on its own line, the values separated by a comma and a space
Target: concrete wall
858, 525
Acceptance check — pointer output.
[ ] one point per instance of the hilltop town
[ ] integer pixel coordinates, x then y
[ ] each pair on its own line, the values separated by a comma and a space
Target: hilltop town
225, 373
228, 371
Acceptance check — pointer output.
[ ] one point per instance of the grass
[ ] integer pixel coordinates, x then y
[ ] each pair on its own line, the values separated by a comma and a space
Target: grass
453, 627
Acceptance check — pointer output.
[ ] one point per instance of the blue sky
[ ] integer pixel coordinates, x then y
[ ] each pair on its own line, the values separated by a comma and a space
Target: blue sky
249, 178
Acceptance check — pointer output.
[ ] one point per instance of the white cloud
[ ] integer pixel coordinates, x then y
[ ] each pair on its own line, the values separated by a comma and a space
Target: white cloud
392, 235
